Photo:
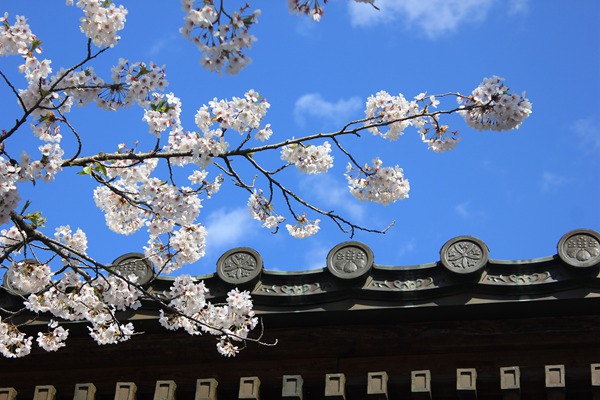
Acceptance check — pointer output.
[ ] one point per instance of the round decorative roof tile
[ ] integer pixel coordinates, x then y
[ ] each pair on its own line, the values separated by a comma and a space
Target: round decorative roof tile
7, 281
239, 265
580, 248
134, 264
464, 254
350, 260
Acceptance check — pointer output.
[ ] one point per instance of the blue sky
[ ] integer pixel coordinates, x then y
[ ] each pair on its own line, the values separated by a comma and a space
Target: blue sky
518, 191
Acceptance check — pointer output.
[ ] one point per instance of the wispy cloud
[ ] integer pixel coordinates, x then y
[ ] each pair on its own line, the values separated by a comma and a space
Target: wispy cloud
405, 248
550, 182
333, 194
163, 43
227, 227
463, 210
306, 27
433, 18
313, 105
316, 257
588, 134
518, 7
470, 212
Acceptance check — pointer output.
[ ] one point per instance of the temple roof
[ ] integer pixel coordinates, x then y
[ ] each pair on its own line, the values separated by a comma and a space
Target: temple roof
425, 330
352, 280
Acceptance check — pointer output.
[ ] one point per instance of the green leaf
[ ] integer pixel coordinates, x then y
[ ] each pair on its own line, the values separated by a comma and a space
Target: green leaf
36, 219
87, 170
100, 168
35, 44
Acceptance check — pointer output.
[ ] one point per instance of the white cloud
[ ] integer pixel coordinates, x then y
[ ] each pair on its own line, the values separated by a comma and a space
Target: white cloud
158, 46
588, 134
550, 182
313, 105
227, 227
306, 27
405, 248
518, 7
467, 211
316, 257
463, 210
432, 17
333, 194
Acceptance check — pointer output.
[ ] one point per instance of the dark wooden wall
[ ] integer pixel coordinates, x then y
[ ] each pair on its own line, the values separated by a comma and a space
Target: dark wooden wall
313, 350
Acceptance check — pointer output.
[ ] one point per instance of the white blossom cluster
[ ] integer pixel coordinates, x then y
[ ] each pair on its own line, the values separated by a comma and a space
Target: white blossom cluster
81, 87
238, 114
28, 276
313, 8
47, 97
53, 340
191, 312
436, 136
501, 110
46, 167
119, 293
77, 241
9, 195
13, 343
11, 237
93, 301
164, 114
261, 209
386, 115
440, 145
309, 159
210, 188
136, 199
132, 198
303, 227
186, 246
203, 146
222, 44
102, 21
264, 133
17, 38
378, 184
34, 69
69, 299
111, 332
26, 170
134, 83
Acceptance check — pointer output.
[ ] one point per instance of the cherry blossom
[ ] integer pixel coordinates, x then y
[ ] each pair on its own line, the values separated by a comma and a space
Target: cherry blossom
56, 273
28, 276
102, 21
261, 210
17, 38
231, 321
222, 43
390, 112
303, 227
309, 159
377, 183
13, 343
499, 110
53, 340
313, 8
